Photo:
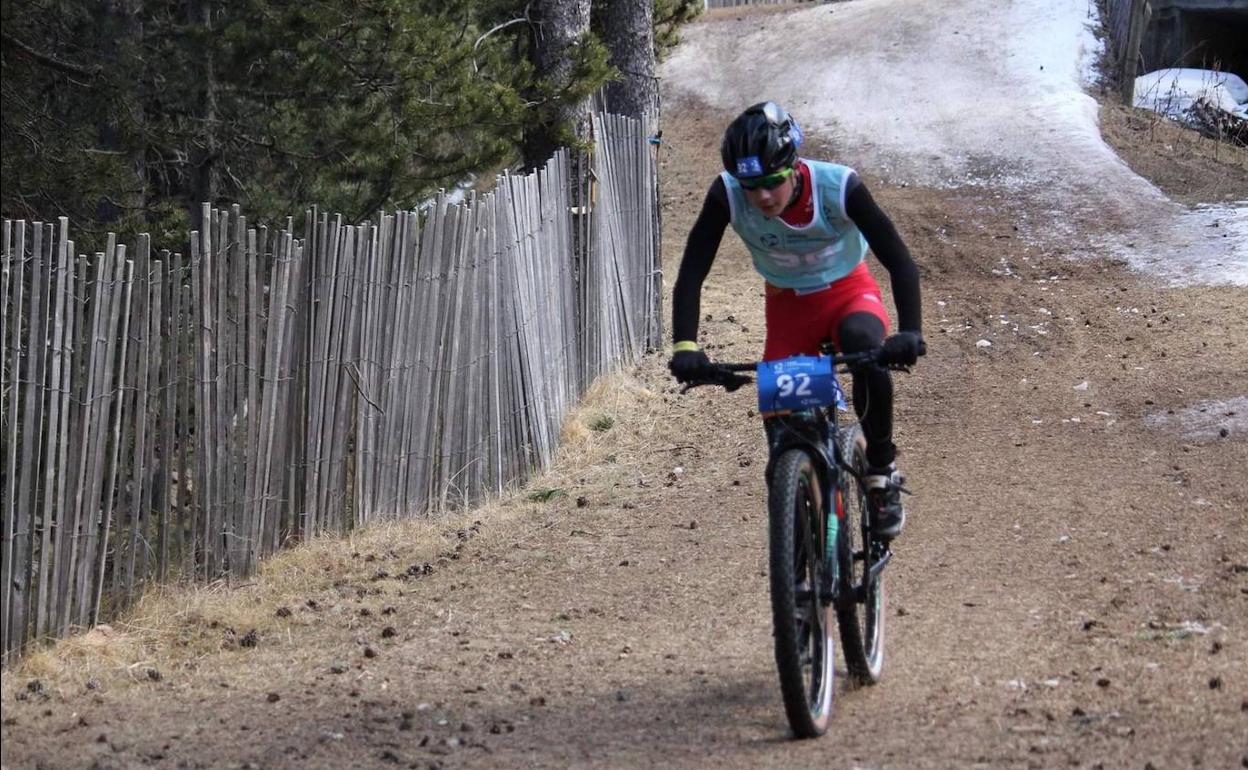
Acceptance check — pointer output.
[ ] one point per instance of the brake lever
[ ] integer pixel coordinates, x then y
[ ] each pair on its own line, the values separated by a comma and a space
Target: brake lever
735, 382
727, 380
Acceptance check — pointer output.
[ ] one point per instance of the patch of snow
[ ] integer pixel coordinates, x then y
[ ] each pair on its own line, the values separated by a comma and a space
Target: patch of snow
1206, 420
934, 94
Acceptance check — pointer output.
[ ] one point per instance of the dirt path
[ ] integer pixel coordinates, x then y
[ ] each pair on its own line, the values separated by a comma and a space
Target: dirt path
1072, 589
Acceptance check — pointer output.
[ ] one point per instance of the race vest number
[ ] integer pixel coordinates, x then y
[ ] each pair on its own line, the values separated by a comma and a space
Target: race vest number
797, 383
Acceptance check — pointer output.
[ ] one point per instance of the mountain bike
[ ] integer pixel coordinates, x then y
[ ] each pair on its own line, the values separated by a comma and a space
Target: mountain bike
824, 559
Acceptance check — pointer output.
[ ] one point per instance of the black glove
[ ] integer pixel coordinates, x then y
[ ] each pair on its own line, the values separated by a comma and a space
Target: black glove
903, 348
689, 366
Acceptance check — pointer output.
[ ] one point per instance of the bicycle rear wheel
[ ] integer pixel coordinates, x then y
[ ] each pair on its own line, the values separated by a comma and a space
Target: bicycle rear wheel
860, 610
801, 616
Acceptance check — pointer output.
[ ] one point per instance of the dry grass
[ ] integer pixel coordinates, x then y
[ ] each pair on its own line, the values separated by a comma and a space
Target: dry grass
632, 411
182, 627
1185, 165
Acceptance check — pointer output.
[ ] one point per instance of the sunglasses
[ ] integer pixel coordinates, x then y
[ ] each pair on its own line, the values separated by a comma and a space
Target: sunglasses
769, 182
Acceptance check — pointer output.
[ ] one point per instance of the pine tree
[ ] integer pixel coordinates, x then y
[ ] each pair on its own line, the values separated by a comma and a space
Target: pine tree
629, 34
125, 115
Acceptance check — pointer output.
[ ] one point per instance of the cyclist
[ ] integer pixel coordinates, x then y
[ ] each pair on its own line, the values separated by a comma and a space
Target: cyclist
807, 225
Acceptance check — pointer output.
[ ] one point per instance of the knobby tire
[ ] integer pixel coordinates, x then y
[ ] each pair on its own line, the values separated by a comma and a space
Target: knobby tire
797, 535
861, 624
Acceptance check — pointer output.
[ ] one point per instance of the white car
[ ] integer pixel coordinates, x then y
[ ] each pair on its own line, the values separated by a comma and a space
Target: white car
1172, 92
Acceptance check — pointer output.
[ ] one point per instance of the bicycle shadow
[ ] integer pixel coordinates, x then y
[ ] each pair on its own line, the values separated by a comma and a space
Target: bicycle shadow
663, 724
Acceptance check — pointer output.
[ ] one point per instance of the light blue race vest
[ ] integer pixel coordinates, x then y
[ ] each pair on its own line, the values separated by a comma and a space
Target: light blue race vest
802, 257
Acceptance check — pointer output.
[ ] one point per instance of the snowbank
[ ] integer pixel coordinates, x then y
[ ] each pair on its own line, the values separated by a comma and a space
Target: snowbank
953, 93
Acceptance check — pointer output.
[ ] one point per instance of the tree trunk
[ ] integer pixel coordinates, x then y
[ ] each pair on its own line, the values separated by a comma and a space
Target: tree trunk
630, 39
558, 27
120, 30
204, 176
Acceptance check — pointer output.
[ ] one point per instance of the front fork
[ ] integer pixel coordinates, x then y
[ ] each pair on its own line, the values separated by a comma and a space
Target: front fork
784, 433
816, 434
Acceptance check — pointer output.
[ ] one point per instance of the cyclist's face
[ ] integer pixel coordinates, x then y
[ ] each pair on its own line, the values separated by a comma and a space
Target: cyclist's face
770, 202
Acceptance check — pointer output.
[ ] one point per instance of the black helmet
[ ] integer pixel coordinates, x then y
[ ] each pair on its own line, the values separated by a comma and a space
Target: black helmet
762, 140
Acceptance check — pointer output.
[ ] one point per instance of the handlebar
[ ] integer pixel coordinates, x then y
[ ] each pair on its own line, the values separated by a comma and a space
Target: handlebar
727, 375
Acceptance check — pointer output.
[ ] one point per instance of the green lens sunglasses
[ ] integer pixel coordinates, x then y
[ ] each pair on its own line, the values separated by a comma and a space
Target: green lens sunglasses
769, 182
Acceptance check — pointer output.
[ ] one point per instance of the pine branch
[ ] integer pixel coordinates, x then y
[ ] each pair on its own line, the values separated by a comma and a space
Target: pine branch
49, 60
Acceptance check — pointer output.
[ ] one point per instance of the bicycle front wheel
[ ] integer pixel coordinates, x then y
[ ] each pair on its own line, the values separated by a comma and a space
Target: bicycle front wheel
801, 615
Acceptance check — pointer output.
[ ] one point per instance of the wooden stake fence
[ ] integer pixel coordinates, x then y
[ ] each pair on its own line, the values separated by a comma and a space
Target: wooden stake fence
172, 418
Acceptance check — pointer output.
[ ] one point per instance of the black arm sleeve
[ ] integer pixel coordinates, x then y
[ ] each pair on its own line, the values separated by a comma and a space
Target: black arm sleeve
884, 240
700, 251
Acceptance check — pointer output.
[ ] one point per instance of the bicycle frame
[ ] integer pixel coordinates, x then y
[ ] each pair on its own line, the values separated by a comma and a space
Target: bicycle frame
814, 567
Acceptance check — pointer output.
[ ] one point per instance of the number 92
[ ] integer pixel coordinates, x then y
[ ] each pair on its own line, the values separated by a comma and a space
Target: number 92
793, 384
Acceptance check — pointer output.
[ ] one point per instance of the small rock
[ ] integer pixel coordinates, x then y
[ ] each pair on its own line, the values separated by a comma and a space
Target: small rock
983, 344
274, 697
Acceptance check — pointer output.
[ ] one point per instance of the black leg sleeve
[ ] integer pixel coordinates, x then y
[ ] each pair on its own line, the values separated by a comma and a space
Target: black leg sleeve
873, 389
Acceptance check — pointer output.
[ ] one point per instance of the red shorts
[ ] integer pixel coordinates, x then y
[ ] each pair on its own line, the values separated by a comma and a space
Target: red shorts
798, 323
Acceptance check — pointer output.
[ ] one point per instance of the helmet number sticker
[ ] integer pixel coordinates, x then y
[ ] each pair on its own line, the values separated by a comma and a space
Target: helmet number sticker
749, 166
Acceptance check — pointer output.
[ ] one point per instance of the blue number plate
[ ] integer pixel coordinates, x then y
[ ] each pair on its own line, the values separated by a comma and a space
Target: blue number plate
800, 382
